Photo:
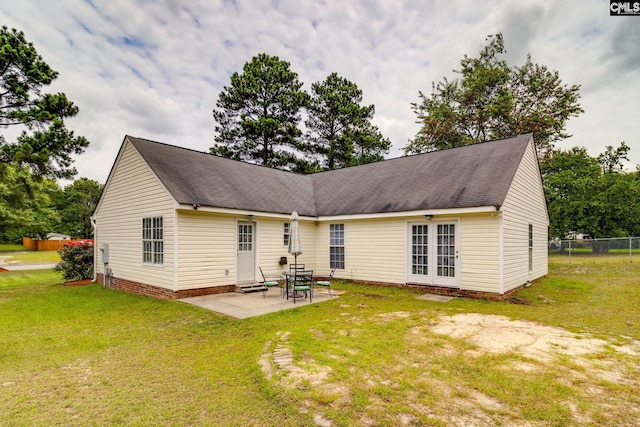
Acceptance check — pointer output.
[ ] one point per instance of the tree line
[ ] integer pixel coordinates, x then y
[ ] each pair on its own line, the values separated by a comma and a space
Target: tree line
265, 117
31, 202
492, 100
258, 118
591, 195
34, 207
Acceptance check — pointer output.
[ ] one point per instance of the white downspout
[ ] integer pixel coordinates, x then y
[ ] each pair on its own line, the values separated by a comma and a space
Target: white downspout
501, 252
95, 253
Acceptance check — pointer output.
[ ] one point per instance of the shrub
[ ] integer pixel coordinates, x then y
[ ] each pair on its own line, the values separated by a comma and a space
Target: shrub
76, 260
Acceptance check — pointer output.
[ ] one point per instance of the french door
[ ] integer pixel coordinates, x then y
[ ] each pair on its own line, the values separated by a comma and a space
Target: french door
433, 253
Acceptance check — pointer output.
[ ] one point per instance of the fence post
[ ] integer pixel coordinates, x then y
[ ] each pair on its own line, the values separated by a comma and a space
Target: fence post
630, 240
569, 251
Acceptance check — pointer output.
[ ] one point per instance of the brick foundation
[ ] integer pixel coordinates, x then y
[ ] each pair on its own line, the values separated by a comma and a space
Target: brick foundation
443, 290
162, 293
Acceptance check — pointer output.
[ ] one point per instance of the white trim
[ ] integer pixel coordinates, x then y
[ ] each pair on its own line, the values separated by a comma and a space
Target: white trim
432, 212
94, 224
152, 240
254, 243
344, 246
501, 249
408, 239
432, 277
176, 255
446, 281
401, 214
242, 212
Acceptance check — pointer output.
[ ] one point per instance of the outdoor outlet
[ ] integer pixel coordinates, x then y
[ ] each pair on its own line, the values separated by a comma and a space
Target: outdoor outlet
226, 272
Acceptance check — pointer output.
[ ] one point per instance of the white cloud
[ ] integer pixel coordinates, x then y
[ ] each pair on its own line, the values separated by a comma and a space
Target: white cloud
155, 69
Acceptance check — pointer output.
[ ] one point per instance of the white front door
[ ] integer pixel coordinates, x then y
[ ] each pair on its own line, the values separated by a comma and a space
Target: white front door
246, 252
433, 253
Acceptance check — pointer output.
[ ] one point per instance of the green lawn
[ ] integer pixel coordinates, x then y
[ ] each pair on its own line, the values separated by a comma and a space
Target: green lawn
20, 254
92, 356
33, 257
11, 247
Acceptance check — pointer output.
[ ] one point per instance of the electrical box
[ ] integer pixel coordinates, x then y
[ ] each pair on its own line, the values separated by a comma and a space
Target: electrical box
105, 253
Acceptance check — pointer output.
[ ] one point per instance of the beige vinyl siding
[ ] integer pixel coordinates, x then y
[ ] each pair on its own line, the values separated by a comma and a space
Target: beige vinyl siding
271, 247
133, 193
480, 252
375, 250
525, 204
207, 250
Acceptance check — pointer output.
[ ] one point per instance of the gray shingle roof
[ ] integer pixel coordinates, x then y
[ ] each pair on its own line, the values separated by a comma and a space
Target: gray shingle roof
471, 176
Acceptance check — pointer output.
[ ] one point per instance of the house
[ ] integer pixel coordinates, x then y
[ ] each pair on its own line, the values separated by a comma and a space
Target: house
58, 236
174, 222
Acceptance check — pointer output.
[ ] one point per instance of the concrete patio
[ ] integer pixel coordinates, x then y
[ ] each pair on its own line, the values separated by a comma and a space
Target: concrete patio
242, 306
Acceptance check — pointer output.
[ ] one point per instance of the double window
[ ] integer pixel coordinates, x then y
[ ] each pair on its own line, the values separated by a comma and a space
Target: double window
336, 246
152, 240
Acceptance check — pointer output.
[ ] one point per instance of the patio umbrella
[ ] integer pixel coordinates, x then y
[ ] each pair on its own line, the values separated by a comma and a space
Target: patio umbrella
295, 245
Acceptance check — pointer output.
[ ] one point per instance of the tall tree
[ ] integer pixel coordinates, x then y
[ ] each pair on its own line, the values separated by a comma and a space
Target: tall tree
48, 145
570, 180
258, 114
76, 204
339, 129
26, 204
611, 159
591, 195
491, 100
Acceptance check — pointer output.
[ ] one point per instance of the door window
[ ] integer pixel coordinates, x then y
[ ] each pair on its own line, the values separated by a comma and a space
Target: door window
420, 249
245, 237
446, 263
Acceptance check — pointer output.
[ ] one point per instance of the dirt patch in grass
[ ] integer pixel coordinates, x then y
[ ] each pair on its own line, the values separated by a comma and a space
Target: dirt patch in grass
499, 334
465, 369
518, 300
374, 296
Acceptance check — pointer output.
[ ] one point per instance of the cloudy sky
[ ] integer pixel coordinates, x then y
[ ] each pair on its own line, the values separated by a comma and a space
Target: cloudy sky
154, 68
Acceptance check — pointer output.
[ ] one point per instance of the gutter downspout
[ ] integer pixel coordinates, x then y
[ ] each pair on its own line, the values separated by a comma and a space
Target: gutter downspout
501, 249
95, 253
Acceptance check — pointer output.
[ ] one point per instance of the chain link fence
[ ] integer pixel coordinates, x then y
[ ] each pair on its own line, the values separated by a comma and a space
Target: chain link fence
627, 248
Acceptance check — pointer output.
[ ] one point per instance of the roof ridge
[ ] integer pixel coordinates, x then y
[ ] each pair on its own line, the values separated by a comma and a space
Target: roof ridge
468, 176
193, 150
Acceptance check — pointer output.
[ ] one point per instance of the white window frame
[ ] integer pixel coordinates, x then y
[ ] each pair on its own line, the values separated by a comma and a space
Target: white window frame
336, 246
286, 228
153, 240
530, 248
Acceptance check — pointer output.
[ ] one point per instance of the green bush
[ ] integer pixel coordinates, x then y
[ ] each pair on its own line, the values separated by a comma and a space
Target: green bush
77, 260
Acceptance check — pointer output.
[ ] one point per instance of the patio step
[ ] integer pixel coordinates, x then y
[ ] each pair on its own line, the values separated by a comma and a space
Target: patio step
244, 288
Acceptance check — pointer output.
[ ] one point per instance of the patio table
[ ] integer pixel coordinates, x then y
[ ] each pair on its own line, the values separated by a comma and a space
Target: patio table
294, 278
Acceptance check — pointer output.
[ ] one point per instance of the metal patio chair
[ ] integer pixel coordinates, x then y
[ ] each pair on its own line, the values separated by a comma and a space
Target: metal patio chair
327, 283
269, 283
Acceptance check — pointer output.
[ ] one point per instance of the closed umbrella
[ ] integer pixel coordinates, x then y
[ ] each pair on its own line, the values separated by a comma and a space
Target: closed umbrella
295, 245
295, 249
